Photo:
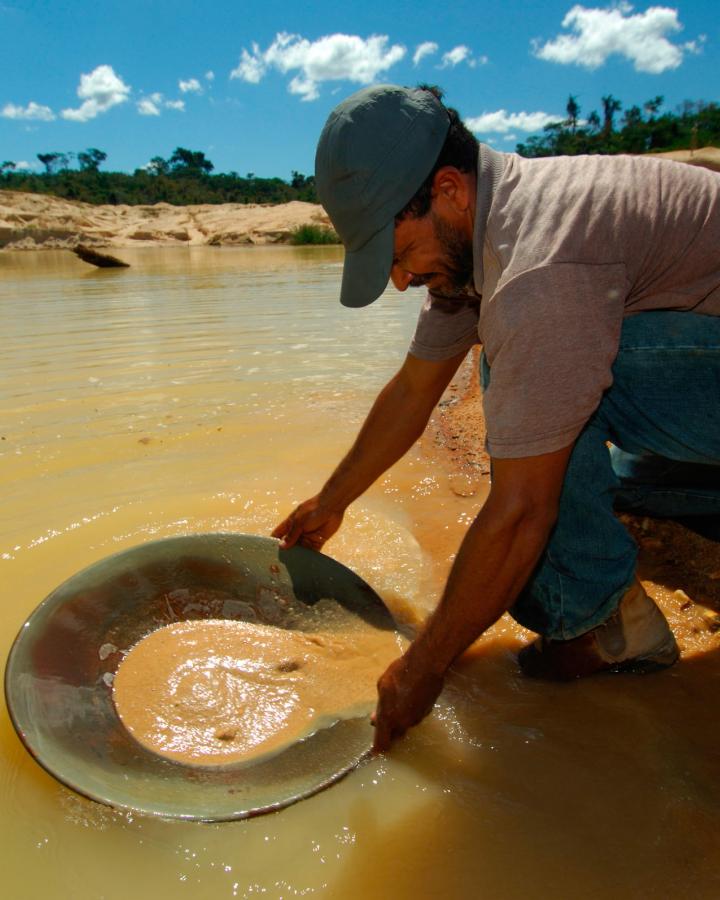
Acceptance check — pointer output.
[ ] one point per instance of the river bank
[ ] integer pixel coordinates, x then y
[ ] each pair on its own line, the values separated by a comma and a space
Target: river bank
43, 222
708, 157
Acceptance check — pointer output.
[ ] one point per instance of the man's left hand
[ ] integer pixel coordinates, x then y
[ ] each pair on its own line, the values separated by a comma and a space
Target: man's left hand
406, 694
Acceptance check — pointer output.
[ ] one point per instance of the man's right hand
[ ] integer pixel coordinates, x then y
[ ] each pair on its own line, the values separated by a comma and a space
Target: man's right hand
310, 524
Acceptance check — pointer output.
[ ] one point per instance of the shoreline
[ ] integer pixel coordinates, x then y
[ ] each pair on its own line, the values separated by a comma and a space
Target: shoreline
45, 222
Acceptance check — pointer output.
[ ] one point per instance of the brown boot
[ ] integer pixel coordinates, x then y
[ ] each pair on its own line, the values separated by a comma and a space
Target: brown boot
635, 638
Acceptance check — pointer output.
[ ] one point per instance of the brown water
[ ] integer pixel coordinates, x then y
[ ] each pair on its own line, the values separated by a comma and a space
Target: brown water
209, 390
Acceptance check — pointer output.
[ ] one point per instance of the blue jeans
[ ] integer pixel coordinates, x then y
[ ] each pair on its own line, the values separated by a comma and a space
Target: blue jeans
662, 414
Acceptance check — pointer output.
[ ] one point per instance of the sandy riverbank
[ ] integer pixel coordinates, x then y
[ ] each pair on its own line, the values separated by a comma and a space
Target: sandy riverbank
708, 157
39, 221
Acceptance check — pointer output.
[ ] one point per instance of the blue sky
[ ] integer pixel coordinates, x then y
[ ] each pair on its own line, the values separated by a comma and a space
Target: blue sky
251, 84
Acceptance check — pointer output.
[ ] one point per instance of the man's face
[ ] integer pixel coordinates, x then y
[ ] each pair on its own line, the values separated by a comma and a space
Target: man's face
434, 252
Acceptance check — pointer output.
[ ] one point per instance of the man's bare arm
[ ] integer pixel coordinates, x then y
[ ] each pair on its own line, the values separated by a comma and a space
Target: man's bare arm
396, 420
495, 560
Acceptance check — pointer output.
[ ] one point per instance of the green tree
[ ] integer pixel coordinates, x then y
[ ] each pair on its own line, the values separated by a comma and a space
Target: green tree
634, 136
610, 107
190, 162
51, 161
90, 159
652, 107
573, 112
632, 117
157, 166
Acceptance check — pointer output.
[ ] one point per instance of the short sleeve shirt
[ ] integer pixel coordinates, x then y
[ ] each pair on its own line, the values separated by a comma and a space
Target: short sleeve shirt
564, 249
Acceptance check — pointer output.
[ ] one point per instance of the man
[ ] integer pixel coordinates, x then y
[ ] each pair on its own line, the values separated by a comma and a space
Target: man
593, 284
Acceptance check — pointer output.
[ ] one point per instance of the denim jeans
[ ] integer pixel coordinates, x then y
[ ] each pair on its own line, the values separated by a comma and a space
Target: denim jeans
662, 416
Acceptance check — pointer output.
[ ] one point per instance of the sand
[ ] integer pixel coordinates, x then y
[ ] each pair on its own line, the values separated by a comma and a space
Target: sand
708, 157
39, 221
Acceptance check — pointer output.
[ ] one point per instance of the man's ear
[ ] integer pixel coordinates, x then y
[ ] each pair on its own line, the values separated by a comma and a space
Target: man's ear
451, 189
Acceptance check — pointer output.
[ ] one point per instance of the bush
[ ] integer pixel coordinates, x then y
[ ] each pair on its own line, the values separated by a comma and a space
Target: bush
313, 234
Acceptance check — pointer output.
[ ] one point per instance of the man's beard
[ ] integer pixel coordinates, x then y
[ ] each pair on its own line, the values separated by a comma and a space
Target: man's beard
457, 259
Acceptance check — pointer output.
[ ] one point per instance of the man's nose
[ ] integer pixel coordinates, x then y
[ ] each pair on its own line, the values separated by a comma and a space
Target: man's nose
400, 278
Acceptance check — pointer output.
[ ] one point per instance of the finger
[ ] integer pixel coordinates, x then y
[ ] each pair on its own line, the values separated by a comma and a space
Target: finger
281, 529
383, 734
295, 532
284, 531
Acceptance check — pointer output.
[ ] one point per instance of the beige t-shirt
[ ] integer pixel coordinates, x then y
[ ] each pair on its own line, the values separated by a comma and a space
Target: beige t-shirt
565, 247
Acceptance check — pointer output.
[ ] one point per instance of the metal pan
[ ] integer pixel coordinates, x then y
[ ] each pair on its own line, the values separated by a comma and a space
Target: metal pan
58, 680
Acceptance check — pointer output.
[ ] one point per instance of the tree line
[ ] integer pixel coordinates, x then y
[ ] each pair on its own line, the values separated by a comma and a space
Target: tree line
185, 177
639, 130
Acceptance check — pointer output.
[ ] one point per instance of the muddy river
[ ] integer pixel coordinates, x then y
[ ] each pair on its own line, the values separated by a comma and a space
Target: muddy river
209, 390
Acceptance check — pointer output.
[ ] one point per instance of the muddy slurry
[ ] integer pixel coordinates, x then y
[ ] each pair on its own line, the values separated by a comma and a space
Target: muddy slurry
217, 691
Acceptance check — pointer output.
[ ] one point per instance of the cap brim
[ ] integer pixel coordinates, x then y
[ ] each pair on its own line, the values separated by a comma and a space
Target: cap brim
366, 271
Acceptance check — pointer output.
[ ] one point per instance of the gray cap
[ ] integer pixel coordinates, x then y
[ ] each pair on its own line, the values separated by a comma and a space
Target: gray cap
375, 151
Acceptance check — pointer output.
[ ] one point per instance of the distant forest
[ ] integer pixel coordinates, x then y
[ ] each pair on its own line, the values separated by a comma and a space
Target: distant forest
187, 175
639, 130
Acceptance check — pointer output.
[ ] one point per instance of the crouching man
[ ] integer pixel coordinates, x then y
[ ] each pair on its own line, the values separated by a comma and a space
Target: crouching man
593, 285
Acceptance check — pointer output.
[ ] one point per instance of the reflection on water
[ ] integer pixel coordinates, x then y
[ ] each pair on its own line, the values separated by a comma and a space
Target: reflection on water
209, 389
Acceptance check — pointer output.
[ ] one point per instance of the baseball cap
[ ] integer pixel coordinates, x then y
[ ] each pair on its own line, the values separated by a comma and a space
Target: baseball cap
375, 151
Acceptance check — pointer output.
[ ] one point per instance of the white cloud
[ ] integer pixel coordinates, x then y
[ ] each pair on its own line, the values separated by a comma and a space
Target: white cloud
25, 166
153, 104
191, 86
306, 88
33, 111
454, 57
150, 106
99, 90
210, 75
695, 47
251, 67
427, 48
597, 34
503, 122
335, 57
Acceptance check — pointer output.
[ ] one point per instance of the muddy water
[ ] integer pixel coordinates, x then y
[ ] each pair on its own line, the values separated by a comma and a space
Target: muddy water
208, 390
